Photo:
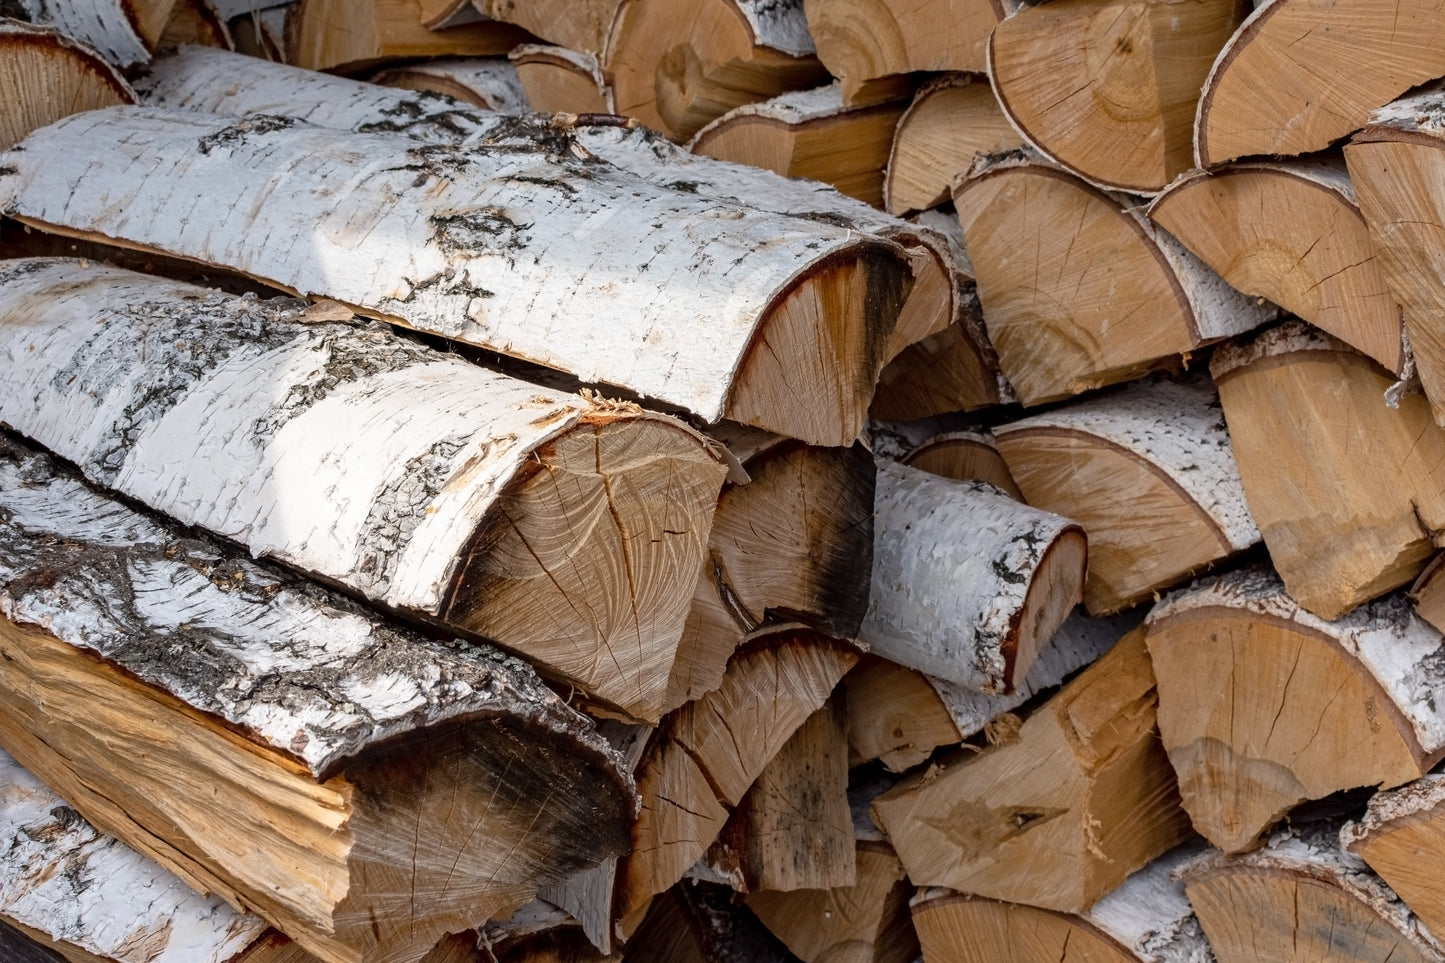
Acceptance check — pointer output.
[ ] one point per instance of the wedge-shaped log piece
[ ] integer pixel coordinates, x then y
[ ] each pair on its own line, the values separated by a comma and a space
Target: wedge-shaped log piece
675, 71
964, 455
558, 79
1398, 165
1291, 232
1284, 85
208, 80
1348, 493
196, 22
707, 754
580, 25
1402, 838
1300, 707
715, 309
866, 42
952, 119
1302, 899
701, 922
363, 789
1148, 473
487, 83
809, 133
968, 584
335, 35
565, 529
1146, 920
1428, 594
125, 32
1062, 815
1108, 88
48, 75
1101, 301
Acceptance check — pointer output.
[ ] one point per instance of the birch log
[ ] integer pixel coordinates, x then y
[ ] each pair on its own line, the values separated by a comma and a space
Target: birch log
211, 81
363, 789
487, 83
581, 25
717, 309
356, 36
963, 455
46, 75
125, 32
454, 477
196, 22
1400, 836
1148, 473
558, 79
968, 584
1301, 707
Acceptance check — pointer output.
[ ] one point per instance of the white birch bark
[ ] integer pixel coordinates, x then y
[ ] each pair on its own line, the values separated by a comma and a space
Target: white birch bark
339, 449
110, 26
491, 81
779, 24
467, 244
953, 566
81, 888
792, 108
1150, 915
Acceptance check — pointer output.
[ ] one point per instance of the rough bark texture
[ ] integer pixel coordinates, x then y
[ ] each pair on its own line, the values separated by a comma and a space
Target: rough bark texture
1399, 837
124, 33
46, 75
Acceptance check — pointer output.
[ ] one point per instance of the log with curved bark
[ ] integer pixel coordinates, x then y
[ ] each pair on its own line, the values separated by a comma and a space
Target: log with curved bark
364, 789
566, 529
1103, 301
1149, 474
125, 32
964, 455
1300, 74
968, 584
487, 83
1400, 837
1108, 88
558, 79
46, 75
1300, 707
347, 36
675, 71
1292, 233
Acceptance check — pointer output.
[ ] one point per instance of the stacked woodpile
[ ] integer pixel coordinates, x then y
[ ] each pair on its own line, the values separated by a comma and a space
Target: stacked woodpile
465, 496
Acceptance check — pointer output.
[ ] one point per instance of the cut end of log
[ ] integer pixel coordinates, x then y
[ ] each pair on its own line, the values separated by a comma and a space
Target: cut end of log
46, 76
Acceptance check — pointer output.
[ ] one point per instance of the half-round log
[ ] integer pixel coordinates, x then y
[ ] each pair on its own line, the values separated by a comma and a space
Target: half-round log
45, 75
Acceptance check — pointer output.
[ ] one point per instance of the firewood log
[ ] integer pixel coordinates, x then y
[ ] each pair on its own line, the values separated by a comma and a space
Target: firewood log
952, 119
346, 36
1299, 708
1428, 597
471, 521
488, 83
1057, 818
262, 33
125, 32
1061, 323
1146, 920
1148, 473
1108, 88
1302, 899
793, 829
1293, 233
558, 79
809, 133
1400, 837
699, 922
580, 25
675, 69
1347, 492
1395, 166
866, 42
1284, 85
706, 755
968, 584
363, 789
207, 80
196, 22
964, 455
787, 335
47, 75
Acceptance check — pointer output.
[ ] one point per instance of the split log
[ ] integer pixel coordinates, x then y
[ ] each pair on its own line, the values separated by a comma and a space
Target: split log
1428, 596
1061, 323
262, 34
46, 75
125, 32
707, 754
1148, 473
964, 455
486, 83
1400, 837
1146, 920
1300, 708
581, 25
968, 584
676, 69
1396, 166
699, 922
770, 321
1108, 88
347, 36
1304, 900
809, 133
952, 119
363, 789
196, 22
1348, 493
1285, 86
864, 43
561, 80
1059, 817
470, 521
1292, 233
955, 369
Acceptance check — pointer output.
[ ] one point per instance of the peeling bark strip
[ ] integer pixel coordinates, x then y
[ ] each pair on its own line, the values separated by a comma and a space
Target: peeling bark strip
238, 725
123, 31
49, 75
564, 529
515, 246
968, 584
